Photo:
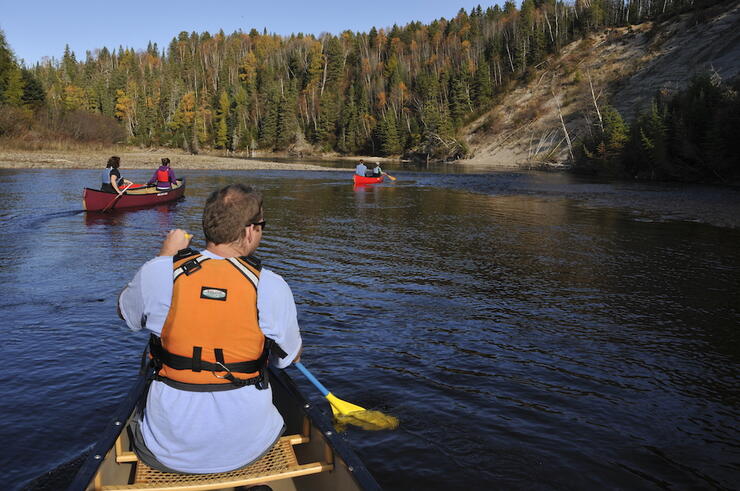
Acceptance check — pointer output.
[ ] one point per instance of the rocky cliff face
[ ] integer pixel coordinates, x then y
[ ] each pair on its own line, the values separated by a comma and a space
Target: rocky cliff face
536, 122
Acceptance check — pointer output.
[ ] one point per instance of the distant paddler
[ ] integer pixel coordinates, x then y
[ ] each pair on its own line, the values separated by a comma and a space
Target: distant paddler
164, 176
112, 182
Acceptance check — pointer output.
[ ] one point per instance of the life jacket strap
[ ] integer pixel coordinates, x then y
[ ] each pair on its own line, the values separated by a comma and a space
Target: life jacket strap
244, 271
253, 261
162, 357
183, 253
196, 364
189, 267
260, 381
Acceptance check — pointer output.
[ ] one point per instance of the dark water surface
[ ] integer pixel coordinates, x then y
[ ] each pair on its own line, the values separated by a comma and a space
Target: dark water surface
530, 330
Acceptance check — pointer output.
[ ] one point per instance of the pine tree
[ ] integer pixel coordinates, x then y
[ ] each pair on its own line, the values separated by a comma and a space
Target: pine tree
183, 120
390, 143
646, 152
69, 64
268, 126
327, 121
9, 75
459, 100
286, 121
483, 85
33, 92
221, 121
616, 131
14, 88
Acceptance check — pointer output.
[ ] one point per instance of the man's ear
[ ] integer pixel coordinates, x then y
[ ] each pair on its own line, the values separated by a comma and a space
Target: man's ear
249, 234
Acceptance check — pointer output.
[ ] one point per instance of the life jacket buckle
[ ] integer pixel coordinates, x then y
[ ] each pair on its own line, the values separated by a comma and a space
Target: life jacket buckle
228, 372
263, 380
191, 267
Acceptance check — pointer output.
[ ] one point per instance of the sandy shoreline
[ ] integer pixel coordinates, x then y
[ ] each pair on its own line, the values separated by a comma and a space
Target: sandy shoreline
142, 159
150, 158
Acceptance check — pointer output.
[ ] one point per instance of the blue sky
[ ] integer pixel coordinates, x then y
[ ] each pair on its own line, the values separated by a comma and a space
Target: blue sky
38, 28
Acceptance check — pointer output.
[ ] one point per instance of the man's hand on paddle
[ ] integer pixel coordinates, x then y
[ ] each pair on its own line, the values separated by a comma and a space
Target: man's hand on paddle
176, 240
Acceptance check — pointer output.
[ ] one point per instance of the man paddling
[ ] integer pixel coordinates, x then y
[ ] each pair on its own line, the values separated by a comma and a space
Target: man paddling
361, 168
216, 317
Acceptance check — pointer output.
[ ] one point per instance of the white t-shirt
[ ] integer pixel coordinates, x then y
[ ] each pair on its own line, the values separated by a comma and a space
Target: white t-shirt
205, 432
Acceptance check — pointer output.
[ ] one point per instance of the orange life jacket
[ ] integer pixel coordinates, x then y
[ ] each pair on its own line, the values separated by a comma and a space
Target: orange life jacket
211, 339
163, 175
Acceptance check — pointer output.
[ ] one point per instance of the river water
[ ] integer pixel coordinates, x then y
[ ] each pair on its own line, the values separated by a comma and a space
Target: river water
530, 330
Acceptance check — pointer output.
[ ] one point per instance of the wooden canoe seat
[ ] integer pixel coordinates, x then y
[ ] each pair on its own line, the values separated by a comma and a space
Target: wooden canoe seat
279, 462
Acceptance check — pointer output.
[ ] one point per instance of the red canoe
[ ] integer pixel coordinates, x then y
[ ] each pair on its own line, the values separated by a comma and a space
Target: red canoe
95, 200
366, 180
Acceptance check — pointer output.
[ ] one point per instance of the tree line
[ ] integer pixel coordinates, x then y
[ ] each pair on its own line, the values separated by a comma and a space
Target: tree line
396, 91
687, 136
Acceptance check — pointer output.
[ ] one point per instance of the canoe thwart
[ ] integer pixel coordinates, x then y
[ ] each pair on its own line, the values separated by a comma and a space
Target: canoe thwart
279, 462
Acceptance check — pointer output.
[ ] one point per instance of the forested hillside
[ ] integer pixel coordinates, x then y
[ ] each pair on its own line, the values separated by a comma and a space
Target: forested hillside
657, 100
405, 90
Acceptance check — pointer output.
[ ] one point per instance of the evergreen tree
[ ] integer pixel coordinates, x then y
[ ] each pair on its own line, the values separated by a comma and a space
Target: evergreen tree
183, 121
8, 67
33, 92
616, 131
646, 153
286, 121
483, 85
69, 65
459, 100
387, 134
221, 121
268, 126
14, 87
327, 120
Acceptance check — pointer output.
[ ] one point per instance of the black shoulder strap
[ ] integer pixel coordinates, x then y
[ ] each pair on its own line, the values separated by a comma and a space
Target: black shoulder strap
252, 261
183, 253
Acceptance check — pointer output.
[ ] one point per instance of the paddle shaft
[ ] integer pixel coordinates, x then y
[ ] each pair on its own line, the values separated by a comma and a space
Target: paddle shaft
114, 200
311, 378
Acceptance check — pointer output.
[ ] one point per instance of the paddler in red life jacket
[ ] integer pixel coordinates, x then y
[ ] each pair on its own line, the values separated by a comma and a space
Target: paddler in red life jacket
164, 176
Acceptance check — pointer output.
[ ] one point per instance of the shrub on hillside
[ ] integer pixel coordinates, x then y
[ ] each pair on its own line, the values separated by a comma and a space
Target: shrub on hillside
84, 126
14, 121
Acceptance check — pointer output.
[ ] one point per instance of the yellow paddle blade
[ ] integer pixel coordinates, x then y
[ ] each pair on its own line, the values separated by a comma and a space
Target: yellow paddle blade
346, 413
367, 420
339, 406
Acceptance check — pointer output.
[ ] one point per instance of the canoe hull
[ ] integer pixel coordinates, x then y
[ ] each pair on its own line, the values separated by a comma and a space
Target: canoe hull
366, 180
346, 472
95, 200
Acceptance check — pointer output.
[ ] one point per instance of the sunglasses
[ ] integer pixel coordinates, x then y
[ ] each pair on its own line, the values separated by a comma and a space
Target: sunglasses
261, 224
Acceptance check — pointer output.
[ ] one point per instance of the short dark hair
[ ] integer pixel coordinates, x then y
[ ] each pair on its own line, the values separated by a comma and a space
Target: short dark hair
114, 162
165, 161
228, 211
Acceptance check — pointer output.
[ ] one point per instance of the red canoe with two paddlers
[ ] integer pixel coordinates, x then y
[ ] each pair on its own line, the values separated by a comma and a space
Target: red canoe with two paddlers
132, 197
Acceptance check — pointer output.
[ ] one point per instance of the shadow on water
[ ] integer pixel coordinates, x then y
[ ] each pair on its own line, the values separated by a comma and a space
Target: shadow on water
125, 216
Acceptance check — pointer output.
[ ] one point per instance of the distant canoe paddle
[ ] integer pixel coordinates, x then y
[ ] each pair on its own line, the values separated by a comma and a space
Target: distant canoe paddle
115, 200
